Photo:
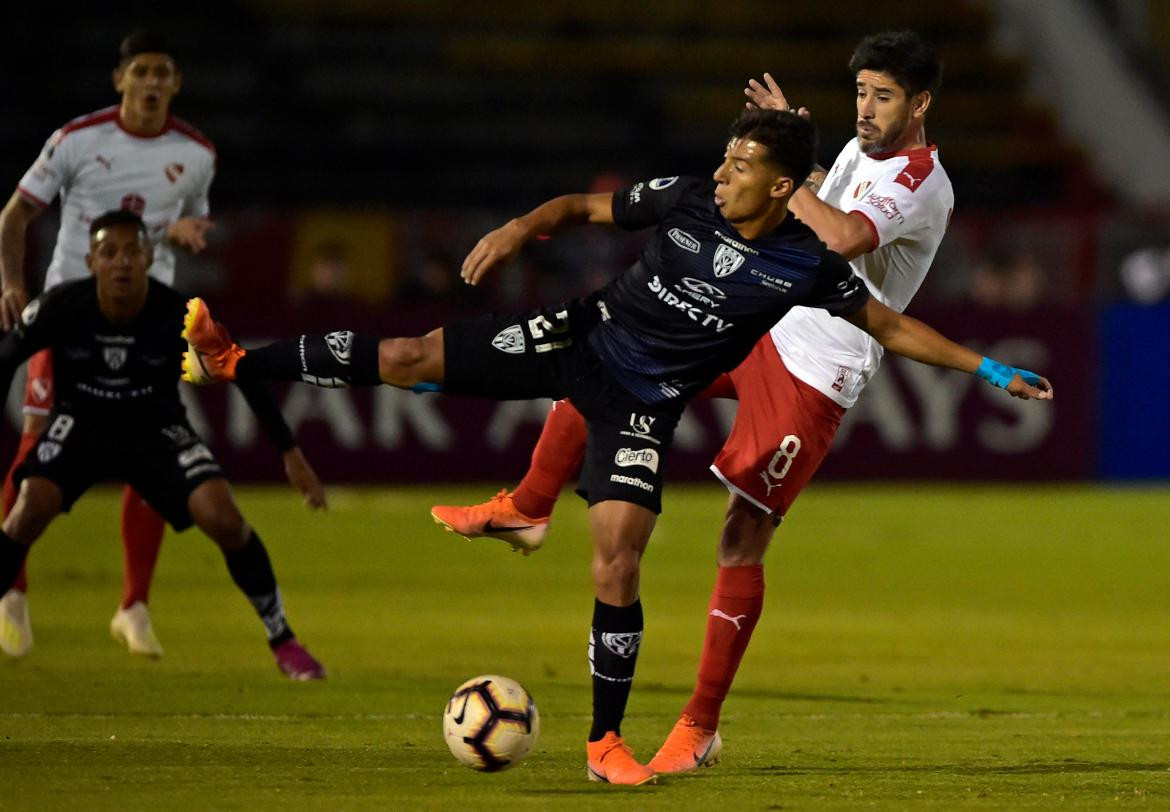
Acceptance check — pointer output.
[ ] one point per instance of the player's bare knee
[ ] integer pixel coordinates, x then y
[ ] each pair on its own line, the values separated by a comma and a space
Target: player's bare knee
36, 506
747, 531
407, 361
617, 572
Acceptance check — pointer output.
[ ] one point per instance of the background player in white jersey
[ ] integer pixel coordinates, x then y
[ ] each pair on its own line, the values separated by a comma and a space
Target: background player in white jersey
134, 156
884, 205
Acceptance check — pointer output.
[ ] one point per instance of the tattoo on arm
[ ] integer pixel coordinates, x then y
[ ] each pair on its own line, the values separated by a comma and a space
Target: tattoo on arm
816, 178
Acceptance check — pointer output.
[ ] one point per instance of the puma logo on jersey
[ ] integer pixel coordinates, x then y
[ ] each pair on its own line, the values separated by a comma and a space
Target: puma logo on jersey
173, 171
733, 620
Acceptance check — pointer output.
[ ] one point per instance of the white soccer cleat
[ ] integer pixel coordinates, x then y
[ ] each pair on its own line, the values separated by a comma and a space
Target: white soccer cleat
131, 627
16, 637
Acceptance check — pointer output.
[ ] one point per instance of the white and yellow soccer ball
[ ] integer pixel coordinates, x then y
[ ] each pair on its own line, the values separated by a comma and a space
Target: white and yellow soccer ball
490, 723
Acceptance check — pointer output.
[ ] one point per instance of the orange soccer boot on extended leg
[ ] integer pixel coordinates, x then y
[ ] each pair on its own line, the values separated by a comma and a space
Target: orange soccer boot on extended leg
687, 747
211, 355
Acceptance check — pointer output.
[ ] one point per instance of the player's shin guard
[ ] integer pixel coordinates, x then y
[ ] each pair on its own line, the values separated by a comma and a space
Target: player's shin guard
557, 454
27, 441
12, 555
736, 604
613, 652
251, 569
142, 535
336, 360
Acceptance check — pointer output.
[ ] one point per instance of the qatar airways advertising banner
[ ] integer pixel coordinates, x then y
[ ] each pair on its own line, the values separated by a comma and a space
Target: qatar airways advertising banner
912, 422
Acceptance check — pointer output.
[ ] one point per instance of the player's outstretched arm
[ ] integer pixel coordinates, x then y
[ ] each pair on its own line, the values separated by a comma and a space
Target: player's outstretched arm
500, 247
14, 220
920, 342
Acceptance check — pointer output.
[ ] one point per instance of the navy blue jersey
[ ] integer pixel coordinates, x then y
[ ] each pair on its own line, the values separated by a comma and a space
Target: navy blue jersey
700, 296
126, 372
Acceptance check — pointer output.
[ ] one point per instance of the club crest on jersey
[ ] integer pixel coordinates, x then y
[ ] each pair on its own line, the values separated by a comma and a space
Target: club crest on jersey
727, 260
340, 344
510, 340
623, 644
115, 357
48, 451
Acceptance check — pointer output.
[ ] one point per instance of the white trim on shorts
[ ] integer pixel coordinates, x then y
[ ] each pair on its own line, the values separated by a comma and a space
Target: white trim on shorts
736, 490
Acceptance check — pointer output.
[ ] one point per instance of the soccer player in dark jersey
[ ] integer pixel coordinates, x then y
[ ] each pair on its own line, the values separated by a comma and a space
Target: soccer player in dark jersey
726, 261
117, 415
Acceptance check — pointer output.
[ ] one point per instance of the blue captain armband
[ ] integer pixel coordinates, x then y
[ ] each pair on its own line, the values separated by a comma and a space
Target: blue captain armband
1001, 375
426, 386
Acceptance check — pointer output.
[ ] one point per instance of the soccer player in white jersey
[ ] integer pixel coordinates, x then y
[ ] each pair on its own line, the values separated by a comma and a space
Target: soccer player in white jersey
884, 206
135, 156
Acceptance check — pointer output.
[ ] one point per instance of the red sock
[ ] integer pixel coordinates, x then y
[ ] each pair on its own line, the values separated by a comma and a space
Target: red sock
738, 598
27, 441
142, 535
557, 454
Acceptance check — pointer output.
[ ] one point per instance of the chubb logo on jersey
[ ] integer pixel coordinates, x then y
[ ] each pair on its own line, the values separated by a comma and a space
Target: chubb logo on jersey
646, 457
683, 240
693, 313
727, 260
510, 340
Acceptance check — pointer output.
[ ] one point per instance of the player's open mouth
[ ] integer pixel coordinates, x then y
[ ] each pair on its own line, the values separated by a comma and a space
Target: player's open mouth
719, 201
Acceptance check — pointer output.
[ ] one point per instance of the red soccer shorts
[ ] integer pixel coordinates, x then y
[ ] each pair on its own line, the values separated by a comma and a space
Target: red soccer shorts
781, 433
38, 389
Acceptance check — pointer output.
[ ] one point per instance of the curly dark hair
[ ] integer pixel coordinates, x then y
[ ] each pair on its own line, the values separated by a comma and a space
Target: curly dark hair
905, 55
791, 141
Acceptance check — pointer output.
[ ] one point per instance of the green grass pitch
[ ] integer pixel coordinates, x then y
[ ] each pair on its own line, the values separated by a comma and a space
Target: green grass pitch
921, 646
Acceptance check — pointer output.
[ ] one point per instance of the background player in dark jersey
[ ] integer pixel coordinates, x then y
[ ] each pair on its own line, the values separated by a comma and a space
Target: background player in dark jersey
135, 155
726, 262
117, 415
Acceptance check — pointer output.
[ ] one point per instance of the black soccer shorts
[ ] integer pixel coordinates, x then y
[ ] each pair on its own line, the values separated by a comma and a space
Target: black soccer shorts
162, 462
545, 354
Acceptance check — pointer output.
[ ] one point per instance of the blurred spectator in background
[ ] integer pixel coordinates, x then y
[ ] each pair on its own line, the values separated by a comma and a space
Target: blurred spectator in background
1011, 279
328, 278
1145, 275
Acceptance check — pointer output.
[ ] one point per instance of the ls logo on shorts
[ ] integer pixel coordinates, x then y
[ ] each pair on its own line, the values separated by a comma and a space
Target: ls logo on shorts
510, 340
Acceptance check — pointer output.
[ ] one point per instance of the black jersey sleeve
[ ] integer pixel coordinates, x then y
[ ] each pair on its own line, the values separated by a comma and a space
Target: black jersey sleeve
837, 288
34, 331
647, 202
263, 405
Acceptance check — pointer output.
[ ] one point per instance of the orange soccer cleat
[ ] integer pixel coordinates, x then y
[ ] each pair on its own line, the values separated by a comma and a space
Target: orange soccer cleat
611, 761
496, 518
688, 746
211, 355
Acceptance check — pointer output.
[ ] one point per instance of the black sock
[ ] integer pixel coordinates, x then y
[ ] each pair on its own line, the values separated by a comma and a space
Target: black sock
252, 572
339, 359
12, 555
613, 652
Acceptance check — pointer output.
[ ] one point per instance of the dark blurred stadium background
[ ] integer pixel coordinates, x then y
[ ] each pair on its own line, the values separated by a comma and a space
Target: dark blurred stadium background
364, 147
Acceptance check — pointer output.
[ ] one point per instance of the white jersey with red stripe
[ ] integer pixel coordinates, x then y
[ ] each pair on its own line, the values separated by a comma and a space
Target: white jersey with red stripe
906, 199
96, 165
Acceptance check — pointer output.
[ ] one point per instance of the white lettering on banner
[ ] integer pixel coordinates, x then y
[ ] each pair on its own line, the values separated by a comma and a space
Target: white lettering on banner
882, 407
333, 407
938, 393
509, 416
395, 409
1032, 425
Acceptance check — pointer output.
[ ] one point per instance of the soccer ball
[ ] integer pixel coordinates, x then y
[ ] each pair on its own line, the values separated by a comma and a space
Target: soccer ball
490, 723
